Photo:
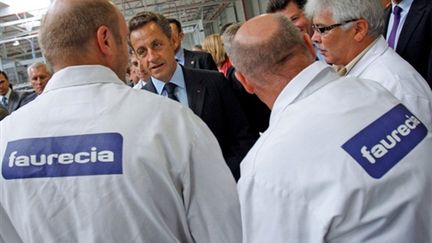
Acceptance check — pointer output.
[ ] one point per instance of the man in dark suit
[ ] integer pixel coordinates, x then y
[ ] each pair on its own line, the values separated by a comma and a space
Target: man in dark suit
189, 59
3, 112
206, 92
413, 36
9, 98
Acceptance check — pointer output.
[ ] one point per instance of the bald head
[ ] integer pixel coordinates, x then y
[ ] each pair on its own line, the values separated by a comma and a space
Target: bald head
264, 43
69, 27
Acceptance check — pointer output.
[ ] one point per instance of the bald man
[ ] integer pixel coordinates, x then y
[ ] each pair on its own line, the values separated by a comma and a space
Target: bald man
342, 159
77, 168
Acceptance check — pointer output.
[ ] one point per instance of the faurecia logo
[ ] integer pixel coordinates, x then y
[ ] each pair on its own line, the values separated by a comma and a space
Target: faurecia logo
382, 144
92, 154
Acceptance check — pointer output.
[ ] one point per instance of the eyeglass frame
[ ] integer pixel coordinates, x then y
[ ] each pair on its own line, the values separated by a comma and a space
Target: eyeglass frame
325, 29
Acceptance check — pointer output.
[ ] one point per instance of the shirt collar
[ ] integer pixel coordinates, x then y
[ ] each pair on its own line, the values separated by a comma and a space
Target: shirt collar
81, 75
180, 56
404, 4
306, 82
354, 61
8, 93
177, 79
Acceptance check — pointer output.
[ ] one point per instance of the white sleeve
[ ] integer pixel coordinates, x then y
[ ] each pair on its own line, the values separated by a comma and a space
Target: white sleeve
210, 194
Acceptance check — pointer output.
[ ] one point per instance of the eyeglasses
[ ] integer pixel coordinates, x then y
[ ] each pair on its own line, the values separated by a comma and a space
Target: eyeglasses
325, 29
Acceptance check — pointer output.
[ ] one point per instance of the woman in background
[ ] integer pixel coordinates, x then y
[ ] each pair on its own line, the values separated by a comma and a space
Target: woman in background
213, 44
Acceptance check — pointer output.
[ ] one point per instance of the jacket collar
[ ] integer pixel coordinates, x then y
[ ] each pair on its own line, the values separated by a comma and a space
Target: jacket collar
301, 86
81, 75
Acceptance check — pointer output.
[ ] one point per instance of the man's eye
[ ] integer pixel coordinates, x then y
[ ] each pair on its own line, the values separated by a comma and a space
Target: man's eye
141, 52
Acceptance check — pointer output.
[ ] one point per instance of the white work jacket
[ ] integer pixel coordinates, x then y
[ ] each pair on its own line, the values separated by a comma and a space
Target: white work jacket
320, 174
383, 65
92, 160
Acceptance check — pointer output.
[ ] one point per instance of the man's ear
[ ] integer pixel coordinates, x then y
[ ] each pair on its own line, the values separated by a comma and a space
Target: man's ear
105, 40
181, 36
309, 45
245, 82
361, 28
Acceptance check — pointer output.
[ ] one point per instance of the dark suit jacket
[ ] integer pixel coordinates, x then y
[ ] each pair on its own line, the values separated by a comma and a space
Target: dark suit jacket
211, 98
3, 112
199, 59
415, 40
257, 113
29, 98
16, 100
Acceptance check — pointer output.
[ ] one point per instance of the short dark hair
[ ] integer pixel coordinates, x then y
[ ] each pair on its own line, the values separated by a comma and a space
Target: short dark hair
4, 74
143, 18
177, 23
274, 6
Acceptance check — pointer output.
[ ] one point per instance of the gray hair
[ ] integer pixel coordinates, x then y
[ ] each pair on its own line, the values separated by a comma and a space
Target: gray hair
270, 54
342, 10
228, 36
66, 32
37, 65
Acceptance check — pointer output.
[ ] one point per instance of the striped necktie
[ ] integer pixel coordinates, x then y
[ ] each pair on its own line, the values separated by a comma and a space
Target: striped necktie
5, 101
170, 88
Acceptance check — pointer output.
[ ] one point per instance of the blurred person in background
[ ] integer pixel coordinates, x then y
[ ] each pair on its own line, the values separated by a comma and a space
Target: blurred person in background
38, 75
213, 44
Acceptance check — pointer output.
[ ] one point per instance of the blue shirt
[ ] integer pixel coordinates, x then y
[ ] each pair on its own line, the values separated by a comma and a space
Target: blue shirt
405, 5
177, 79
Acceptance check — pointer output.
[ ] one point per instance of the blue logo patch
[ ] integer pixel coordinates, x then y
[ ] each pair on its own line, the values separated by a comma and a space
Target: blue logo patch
382, 144
93, 154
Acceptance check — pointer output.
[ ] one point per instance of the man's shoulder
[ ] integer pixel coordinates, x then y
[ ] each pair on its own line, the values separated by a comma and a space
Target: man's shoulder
20, 94
196, 53
202, 73
391, 69
27, 97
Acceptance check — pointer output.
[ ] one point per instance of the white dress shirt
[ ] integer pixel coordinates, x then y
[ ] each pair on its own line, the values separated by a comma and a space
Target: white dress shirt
178, 80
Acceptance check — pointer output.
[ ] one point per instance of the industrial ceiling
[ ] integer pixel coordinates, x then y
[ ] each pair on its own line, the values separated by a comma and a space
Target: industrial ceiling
20, 20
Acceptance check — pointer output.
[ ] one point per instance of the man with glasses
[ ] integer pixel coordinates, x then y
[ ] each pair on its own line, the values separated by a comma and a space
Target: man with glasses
348, 34
320, 172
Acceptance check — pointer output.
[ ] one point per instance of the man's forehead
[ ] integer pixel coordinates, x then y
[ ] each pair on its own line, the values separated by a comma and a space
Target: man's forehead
39, 69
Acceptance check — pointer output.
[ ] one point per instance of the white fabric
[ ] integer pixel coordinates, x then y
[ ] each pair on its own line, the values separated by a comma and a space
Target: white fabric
384, 65
298, 185
175, 185
140, 84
